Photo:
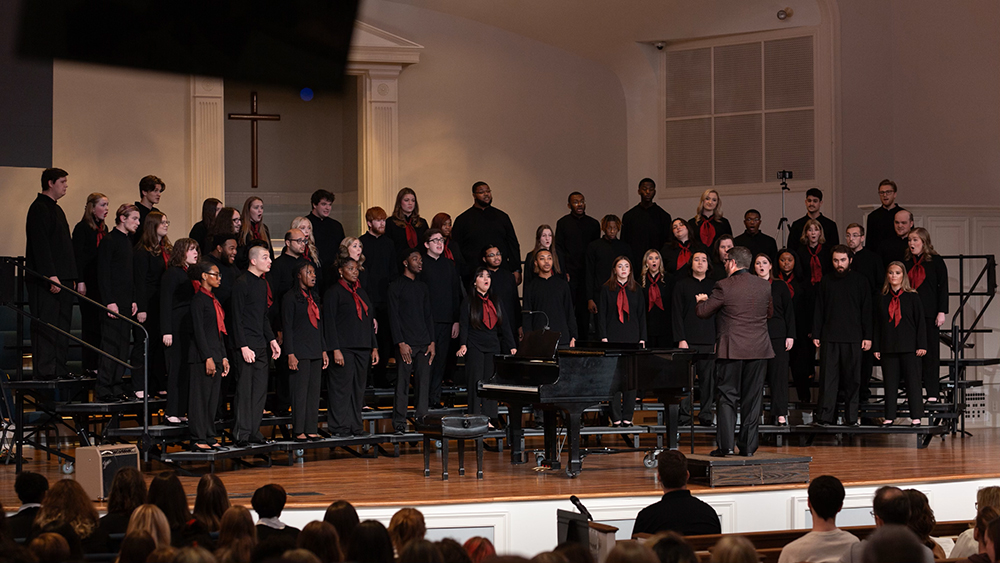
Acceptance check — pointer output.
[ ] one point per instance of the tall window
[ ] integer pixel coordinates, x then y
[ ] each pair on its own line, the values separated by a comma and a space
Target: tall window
737, 114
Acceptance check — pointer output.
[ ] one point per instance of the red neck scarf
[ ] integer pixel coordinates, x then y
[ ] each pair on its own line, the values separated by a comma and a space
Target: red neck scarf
411, 233
220, 315
815, 266
895, 311
196, 284
255, 230
707, 232
101, 231
313, 308
165, 255
622, 302
305, 254
654, 292
917, 273
684, 256
788, 282
447, 251
489, 311
359, 303
270, 297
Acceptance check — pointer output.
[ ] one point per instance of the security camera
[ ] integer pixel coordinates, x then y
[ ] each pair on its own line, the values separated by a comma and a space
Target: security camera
784, 14
660, 45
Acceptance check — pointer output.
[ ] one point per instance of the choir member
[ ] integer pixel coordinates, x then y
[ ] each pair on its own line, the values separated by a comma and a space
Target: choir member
49, 251
207, 361
282, 278
754, 239
708, 222
442, 222
413, 332
928, 275
227, 222
253, 337
880, 221
405, 228
900, 342
621, 317
484, 224
306, 351
327, 231
647, 225
252, 228
676, 254
720, 253
222, 254
87, 236
814, 201
483, 333
150, 190
893, 249
117, 287
380, 269
210, 209
781, 330
310, 253
504, 287
869, 265
442, 279
550, 294
814, 252
694, 333
659, 288
574, 233
544, 238
841, 321
176, 292
152, 254
803, 354
601, 255
349, 331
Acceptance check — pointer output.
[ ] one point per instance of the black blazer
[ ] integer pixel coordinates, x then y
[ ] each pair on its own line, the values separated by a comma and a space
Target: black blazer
176, 292
114, 270
687, 325
341, 326
207, 342
499, 338
933, 291
910, 335
608, 325
300, 336
782, 322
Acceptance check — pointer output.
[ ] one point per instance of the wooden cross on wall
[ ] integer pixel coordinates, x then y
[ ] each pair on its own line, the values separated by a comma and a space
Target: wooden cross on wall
253, 117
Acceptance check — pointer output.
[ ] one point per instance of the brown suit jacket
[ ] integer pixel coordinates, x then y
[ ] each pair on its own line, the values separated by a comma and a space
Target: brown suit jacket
742, 304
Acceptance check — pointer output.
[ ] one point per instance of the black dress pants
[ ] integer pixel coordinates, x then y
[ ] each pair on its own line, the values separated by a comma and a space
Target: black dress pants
157, 359
743, 381
114, 340
251, 392
622, 401
177, 374
48, 347
442, 348
304, 384
907, 365
705, 377
203, 401
932, 359
839, 369
345, 386
421, 371
803, 364
381, 377
479, 367
90, 332
777, 378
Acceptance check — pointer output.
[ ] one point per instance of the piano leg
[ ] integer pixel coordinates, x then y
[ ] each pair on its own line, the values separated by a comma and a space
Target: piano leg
515, 433
575, 465
673, 411
551, 440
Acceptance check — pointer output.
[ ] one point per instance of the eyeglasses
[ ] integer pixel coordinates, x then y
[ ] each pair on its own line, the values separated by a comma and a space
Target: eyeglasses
298, 239
436, 239
493, 254
213, 274
886, 192
167, 223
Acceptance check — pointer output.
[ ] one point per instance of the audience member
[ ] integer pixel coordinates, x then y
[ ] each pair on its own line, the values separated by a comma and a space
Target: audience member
237, 536
271, 549
370, 543
211, 502
890, 507
479, 548
893, 544
150, 519
735, 549
344, 518
128, 491
30, 488
166, 492
136, 547
993, 539
677, 511
67, 511
165, 554
922, 521
670, 547
407, 524
268, 502
299, 556
322, 540
985, 515
194, 554
825, 543
549, 557
453, 552
575, 552
49, 548
966, 545
419, 551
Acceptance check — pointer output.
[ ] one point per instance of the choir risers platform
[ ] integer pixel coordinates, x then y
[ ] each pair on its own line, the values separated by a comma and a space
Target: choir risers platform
761, 469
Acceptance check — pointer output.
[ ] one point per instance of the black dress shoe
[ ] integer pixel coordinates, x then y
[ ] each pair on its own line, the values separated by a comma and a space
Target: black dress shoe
343, 434
168, 422
301, 440
720, 452
126, 398
109, 399
75, 376
820, 424
315, 438
241, 444
40, 377
260, 441
399, 431
746, 454
324, 433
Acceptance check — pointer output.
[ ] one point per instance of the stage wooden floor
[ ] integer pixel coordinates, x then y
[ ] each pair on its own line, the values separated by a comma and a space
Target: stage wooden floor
325, 477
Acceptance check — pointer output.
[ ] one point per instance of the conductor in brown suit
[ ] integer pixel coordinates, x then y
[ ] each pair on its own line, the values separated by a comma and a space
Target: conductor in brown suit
742, 304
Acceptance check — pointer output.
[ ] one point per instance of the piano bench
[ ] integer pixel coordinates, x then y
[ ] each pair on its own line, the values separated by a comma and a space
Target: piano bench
455, 427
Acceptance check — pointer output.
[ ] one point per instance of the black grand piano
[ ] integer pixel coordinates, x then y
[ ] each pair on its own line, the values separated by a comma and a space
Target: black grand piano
571, 380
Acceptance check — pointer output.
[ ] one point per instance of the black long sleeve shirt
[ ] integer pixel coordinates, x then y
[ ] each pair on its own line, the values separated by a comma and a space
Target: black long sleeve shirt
672, 250
207, 342
300, 336
380, 267
721, 224
910, 335
843, 309
224, 292
529, 266
149, 269
251, 327
644, 228
601, 256
341, 326
176, 292
573, 235
933, 291
759, 244
869, 265
782, 322
504, 287
830, 232
85, 252
410, 312
880, 226
281, 278
328, 234
396, 233
687, 325
475, 228
659, 322
499, 338
115, 272
608, 324
551, 295
893, 249
48, 247
143, 212
441, 277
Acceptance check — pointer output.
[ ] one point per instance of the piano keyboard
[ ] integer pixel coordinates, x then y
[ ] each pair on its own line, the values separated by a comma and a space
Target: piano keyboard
508, 387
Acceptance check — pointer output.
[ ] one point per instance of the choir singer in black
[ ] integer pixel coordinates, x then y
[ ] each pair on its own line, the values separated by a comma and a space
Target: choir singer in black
412, 327
900, 342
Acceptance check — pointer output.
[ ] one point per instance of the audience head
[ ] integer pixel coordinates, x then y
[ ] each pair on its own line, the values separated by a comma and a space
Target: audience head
66, 503
211, 502
370, 543
479, 548
672, 468
734, 549
344, 518
164, 554
420, 551
407, 524
271, 549
236, 524
887, 193
49, 548
826, 497
150, 519
299, 556
453, 552
631, 552
902, 222
988, 496
167, 493
128, 490
921, 516
268, 501
670, 547
136, 547
891, 506
549, 557
31, 487
575, 552
194, 554
322, 540
893, 544
993, 539
984, 516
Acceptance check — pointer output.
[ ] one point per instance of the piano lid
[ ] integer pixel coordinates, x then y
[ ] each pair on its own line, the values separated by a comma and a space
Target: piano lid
538, 345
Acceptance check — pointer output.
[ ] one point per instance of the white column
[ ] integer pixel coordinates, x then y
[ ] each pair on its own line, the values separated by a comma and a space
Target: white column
208, 155
380, 136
